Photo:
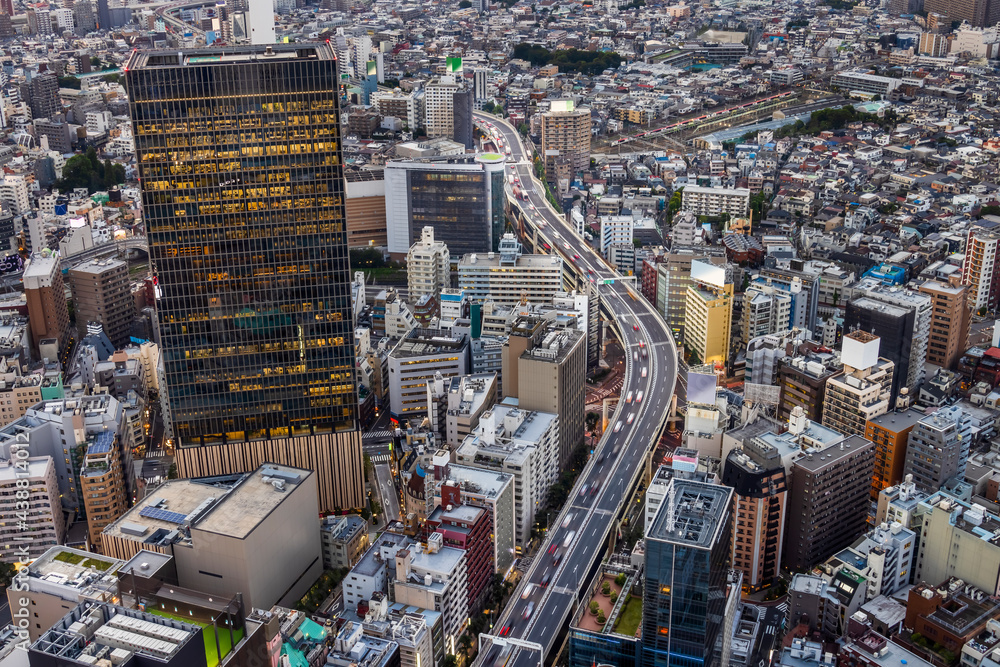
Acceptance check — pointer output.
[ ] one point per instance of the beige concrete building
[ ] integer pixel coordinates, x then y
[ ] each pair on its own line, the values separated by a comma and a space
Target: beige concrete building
861, 391
959, 540
428, 267
60, 579
565, 134
259, 537
45, 524
545, 368
102, 485
708, 312
101, 293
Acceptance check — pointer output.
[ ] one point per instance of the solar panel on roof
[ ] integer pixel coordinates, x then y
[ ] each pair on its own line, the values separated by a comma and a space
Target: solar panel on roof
102, 443
162, 514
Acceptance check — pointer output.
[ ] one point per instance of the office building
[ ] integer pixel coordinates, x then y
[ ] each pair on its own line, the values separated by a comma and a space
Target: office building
461, 197
286, 393
949, 324
46, 297
455, 484
708, 313
890, 433
716, 201
508, 277
955, 613
545, 369
672, 282
861, 391
565, 134
102, 485
469, 397
765, 354
980, 13
524, 444
414, 362
958, 539
46, 524
901, 504
938, 448
256, 534
428, 266
901, 318
102, 294
687, 562
365, 208
760, 488
884, 557
830, 493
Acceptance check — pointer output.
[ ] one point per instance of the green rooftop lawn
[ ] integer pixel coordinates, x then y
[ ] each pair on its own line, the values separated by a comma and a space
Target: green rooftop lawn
208, 634
630, 617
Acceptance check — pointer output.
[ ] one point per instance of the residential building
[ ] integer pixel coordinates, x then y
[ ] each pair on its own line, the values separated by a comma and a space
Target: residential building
102, 486
235, 407
46, 524
951, 612
407, 107
949, 325
565, 134
345, 539
766, 310
883, 557
874, 650
458, 484
830, 490
889, 433
461, 197
760, 488
938, 448
256, 534
708, 313
825, 601
673, 280
616, 230
470, 528
861, 391
415, 360
981, 270
102, 293
716, 201
980, 13
440, 108
545, 369
46, 297
863, 81
524, 444
428, 266
508, 277
469, 397
685, 592
803, 379
958, 539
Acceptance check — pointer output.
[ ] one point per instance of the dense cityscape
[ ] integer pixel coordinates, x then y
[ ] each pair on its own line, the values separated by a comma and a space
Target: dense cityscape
383, 333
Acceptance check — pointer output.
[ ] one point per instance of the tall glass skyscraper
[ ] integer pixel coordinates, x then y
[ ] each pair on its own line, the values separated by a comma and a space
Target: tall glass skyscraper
687, 556
239, 158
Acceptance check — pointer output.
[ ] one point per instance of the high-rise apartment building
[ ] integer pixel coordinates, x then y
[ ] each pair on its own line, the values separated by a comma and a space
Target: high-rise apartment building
958, 540
439, 108
716, 201
407, 107
890, 433
981, 270
938, 448
802, 380
461, 197
102, 293
46, 297
760, 489
901, 318
766, 310
255, 317
428, 266
102, 485
45, 525
687, 561
673, 279
949, 326
830, 493
565, 134
861, 391
980, 13
508, 277
708, 312
545, 368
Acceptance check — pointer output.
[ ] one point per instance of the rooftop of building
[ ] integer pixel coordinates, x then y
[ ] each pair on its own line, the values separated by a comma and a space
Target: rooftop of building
41, 265
485, 483
73, 568
882, 307
963, 608
473, 262
899, 420
228, 55
343, 527
382, 550
424, 342
470, 392
693, 515
98, 266
243, 508
884, 653
814, 461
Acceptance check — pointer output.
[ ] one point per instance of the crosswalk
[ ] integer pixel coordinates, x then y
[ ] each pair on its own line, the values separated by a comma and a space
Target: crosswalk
783, 608
380, 458
381, 434
155, 453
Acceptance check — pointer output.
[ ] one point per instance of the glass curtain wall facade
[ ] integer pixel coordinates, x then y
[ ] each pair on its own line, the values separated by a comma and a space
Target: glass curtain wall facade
455, 204
243, 195
687, 556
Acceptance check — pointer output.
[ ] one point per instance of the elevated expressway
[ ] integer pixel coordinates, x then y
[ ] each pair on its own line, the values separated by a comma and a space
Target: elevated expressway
587, 525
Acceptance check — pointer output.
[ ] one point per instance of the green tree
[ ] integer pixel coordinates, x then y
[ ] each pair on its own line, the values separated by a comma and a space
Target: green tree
449, 661
594, 607
465, 4
523, 129
376, 507
7, 572
95, 62
606, 588
621, 579
69, 82
172, 471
